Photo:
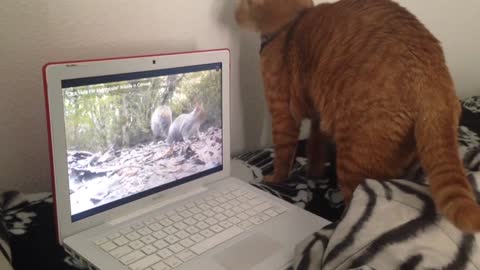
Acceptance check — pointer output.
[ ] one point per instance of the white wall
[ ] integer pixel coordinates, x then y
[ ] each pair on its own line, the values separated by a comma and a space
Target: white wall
35, 32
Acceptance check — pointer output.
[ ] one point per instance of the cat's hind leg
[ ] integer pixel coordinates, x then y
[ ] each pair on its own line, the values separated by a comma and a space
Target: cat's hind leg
318, 151
350, 173
373, 155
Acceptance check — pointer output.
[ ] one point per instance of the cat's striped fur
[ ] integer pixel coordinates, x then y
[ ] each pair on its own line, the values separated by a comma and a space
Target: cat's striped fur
377, 78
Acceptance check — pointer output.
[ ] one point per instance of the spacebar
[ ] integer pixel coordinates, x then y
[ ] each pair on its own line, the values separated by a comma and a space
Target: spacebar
216, 240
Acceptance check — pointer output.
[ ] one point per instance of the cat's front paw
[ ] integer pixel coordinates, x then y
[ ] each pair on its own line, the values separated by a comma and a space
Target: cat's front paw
273, 179
316, 172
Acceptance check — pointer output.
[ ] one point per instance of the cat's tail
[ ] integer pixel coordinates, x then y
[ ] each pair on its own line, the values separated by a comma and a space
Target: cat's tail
436, 136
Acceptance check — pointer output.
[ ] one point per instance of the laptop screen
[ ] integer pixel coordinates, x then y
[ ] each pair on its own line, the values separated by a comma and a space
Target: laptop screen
132, 135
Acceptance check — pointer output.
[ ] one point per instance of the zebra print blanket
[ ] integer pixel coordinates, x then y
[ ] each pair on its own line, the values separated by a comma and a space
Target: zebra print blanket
394, 225
390, 225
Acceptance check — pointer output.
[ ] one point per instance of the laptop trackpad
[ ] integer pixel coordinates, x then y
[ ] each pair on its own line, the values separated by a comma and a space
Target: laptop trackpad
248, 252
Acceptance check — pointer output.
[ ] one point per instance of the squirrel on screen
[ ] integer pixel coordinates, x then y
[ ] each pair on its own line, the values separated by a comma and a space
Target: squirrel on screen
184, 127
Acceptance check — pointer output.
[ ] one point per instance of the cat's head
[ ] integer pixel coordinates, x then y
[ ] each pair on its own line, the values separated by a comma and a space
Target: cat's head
267, 16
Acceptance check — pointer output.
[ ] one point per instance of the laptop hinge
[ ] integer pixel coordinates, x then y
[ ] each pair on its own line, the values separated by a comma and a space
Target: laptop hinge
153, 207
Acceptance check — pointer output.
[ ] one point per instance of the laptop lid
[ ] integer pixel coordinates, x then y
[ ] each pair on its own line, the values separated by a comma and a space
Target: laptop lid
129, 132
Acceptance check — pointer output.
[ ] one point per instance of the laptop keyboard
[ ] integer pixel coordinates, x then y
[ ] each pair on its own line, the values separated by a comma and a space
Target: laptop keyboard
168, 240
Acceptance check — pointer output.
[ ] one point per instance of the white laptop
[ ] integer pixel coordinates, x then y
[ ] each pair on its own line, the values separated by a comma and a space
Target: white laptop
135, 189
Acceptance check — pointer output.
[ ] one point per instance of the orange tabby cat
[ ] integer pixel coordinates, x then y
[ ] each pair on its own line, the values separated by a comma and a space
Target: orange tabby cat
377, 78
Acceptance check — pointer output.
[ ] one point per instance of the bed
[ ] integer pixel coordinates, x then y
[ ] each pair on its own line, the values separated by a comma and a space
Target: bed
390, 225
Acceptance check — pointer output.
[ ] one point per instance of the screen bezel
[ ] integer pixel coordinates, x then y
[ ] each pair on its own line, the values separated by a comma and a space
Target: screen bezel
55, 73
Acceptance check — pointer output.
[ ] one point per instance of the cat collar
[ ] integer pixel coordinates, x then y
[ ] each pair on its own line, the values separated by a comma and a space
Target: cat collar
267, 38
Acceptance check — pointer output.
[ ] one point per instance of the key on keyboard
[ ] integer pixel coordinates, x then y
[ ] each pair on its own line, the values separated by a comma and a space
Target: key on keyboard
178, 236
